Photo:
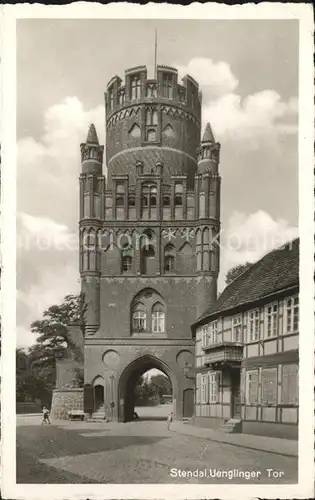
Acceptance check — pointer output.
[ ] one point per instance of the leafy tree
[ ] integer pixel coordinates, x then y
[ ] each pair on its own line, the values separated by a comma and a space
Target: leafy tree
53, 340
161, 384
29, 386
152, 388
236, 271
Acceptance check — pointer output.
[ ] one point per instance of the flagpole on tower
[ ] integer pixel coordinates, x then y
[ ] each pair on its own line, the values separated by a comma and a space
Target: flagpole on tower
155, 54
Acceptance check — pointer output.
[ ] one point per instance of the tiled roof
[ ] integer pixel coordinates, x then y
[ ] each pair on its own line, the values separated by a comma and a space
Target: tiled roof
276, 271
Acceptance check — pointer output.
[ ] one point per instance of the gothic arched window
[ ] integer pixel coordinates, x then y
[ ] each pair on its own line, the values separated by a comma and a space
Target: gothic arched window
198, 250
205, 249
132, 201
151, 116
126, 259
158, 318
169, 258
145, 196
166, 200
148, 312
148, 260
148, 200
178, 194
139, 318
120, 195
153, 194
121, 97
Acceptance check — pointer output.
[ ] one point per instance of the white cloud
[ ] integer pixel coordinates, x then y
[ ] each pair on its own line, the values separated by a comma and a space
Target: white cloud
47, 269
48, 169
48, 200
251, 122
257, 119
249, 237
215, 78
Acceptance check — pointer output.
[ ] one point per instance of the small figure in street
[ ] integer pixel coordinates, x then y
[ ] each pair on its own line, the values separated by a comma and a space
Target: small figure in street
170, 419
45, 416
135, 415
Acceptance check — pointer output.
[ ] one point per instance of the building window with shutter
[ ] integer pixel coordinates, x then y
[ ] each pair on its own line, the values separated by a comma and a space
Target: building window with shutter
290, 384
213, 387
269, 386
213, 333
291, 321
253, 326
272, 320
237, 326
204, 388
252, 387
198, 388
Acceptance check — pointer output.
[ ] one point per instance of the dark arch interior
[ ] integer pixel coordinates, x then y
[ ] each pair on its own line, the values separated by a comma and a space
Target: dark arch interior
128, 392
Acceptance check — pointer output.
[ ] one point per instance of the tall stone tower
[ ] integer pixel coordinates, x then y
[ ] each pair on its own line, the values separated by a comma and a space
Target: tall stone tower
147, 262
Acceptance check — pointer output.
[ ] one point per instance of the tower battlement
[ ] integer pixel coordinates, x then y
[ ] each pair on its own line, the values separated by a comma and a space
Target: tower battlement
151, 118
137, 88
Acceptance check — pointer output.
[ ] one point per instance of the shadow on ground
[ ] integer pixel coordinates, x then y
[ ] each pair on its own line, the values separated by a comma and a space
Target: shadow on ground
54, 442
30, 471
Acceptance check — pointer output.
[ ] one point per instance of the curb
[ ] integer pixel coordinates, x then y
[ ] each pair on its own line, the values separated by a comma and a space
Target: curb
208, 438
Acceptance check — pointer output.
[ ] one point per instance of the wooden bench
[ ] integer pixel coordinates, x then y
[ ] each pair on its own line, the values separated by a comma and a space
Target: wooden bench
76, 415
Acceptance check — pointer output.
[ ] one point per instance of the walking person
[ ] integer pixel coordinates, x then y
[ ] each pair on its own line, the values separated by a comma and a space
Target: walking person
170, 419
46, 419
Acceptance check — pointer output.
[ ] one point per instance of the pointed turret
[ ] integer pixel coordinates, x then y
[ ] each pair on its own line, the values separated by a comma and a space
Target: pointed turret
208, 152
92, 135
208, 134
92, 153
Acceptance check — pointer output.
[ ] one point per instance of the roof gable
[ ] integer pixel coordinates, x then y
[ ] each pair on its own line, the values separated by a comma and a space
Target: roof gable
276, 271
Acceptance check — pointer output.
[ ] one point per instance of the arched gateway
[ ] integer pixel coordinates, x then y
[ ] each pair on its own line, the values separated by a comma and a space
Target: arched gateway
147, 262
128, 380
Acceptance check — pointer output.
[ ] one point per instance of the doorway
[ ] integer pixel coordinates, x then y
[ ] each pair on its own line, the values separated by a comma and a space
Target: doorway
188, 402
98, 396
236, 394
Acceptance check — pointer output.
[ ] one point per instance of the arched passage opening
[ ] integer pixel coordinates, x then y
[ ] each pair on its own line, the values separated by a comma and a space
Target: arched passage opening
142, 390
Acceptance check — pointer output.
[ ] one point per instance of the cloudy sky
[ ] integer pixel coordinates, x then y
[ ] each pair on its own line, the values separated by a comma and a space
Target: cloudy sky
248, 73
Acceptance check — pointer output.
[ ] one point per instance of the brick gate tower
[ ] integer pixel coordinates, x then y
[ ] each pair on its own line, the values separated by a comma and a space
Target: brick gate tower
148, 266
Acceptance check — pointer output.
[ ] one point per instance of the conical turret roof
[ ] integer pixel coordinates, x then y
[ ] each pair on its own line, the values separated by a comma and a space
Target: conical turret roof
208, 134
92, 135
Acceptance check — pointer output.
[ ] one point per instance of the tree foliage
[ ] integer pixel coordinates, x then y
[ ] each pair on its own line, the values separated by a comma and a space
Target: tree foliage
236, 271
152, 388
53, 342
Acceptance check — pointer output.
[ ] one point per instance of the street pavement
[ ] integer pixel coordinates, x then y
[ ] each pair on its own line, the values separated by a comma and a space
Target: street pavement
143, 451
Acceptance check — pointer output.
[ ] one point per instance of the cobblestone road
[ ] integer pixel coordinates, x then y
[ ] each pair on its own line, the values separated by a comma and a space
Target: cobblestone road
137, 452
